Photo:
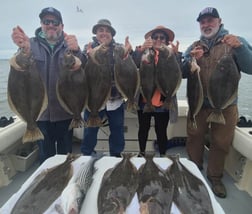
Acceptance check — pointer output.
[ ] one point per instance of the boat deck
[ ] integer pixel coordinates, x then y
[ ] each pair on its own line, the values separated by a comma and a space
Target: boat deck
236, 202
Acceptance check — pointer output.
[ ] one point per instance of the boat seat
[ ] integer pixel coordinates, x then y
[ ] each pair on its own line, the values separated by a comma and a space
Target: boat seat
242, 141
11, 133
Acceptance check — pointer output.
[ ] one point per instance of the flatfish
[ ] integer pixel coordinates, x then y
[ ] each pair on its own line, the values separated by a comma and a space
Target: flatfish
223, 87
27, 95
147, 78
118, 187
190, 193
155, 190
45, 188
99, 80
194, 93
127, 77
168, 75
74, 194
72, 89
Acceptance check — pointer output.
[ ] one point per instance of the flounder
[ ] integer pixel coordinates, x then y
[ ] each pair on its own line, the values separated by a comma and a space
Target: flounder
155, 190
168, 75
118, 187
45, 188
127, 77
99, 80
223, 87
190, 193
147, 78
71, 88
194, 93
27, 95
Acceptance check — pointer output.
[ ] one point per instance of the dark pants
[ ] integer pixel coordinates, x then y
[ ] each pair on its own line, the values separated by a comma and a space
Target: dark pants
57, 139
161, 122
116, 137
221, 137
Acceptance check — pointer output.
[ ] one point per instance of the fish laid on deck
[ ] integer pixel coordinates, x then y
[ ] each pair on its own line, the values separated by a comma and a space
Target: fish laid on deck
118, 187
155, 190
224, 93
74, 194
168, 75
72, 88
27, 95
127, 77
45, 188
147, 78
98, 74
194, 92
190, 193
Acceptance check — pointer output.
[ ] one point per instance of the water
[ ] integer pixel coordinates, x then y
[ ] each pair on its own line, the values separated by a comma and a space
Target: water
244, 104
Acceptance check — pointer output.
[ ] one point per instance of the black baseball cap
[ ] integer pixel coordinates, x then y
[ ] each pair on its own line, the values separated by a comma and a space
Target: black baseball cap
51, 11
208, 11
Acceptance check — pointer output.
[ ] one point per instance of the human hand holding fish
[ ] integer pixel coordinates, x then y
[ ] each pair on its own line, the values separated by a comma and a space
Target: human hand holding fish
197, 52
71, 42
175, 47
127, 45
148, 43
21, 39
231, 40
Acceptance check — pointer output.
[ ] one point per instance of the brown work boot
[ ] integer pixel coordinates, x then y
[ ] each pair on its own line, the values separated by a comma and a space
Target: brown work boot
218, 188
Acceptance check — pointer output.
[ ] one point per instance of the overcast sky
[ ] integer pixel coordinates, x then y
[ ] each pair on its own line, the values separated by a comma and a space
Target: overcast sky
131, 18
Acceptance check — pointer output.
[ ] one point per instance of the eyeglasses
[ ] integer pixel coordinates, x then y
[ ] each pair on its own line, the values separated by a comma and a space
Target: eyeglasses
48, 21
158, 37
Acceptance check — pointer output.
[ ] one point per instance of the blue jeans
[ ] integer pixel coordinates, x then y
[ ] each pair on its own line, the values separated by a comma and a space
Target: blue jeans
116, 137
57, 139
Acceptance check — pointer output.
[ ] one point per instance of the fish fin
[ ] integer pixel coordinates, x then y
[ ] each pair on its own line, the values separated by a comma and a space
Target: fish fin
32, 135
45, 101
216, 117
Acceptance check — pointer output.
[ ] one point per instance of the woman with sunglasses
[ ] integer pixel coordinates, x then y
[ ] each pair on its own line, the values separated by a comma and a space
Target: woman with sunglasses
154, 39
47, 49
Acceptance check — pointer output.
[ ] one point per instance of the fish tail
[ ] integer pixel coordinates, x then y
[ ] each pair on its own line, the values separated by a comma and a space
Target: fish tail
216, 117
131, 106
148, 108
32, 135
77, 123
94, 121
193, 124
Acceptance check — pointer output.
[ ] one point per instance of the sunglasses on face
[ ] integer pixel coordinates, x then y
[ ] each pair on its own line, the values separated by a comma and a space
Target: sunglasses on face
158, 37
53, 22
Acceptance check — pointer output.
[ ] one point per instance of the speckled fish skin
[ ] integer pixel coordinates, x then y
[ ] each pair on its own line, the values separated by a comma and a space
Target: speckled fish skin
72, 89
223, 87
147, 78
155, 190
194, 95
75, 193
168, 75
99, 80
118, 187
27, 96
190, 193
127, 77
45, 188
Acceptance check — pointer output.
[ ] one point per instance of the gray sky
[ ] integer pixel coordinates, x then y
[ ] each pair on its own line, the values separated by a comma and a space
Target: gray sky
131, 18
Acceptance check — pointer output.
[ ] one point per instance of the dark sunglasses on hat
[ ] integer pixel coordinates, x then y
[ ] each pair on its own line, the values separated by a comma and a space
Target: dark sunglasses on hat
53, 22
158, 37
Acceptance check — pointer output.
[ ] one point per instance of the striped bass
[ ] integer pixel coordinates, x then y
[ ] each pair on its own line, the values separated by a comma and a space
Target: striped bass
74, 194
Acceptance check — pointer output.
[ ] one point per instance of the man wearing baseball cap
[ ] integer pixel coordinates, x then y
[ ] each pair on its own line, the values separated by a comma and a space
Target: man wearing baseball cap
214, 44
47, 49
